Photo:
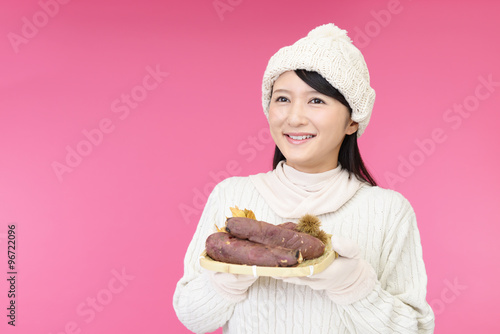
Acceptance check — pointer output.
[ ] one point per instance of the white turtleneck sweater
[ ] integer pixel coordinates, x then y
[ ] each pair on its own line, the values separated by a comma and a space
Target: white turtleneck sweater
381, 221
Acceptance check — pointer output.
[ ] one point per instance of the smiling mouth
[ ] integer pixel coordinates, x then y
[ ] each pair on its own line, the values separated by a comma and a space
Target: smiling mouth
298, 138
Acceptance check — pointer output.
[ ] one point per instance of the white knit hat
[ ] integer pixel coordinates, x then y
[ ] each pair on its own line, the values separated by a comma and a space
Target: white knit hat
329, 51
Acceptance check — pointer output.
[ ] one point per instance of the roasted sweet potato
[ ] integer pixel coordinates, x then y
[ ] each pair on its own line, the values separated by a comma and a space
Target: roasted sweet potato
289, 225
224, 247
273, 235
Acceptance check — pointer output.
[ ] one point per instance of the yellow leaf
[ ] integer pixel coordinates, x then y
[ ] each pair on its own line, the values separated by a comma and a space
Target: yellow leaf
250, 214
237, 212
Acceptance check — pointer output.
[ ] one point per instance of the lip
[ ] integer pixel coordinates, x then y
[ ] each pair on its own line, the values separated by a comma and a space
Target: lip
298, 134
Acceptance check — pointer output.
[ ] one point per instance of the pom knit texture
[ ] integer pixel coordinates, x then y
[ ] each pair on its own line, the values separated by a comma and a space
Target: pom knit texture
383, 224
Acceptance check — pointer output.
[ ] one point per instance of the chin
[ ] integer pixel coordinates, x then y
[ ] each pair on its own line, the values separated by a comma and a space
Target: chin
298, 164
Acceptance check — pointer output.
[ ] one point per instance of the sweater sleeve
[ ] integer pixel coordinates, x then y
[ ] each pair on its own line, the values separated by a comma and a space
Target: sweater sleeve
397, 304
197, 304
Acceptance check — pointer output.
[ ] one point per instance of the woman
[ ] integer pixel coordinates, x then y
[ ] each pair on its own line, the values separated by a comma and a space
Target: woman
318, 100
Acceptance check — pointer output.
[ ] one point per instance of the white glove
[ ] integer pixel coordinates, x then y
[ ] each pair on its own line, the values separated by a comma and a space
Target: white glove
348, 279
231, 286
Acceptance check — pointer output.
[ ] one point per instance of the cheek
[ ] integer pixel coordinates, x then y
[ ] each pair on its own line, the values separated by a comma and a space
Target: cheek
275, 124
336, 121
275, 119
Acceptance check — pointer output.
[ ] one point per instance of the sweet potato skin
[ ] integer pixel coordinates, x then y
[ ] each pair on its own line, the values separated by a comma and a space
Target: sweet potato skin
273, 235
289, 225
224, 247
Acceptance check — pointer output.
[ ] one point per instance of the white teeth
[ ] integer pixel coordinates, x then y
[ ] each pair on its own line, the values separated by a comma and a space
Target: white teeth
300, 137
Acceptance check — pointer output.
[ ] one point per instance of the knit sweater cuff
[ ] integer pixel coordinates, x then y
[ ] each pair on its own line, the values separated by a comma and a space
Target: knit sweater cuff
202, 309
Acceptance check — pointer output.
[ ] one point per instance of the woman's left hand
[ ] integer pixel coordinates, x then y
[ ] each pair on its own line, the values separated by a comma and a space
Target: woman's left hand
348, 279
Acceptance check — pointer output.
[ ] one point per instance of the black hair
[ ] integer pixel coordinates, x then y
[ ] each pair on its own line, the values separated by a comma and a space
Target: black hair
349, 155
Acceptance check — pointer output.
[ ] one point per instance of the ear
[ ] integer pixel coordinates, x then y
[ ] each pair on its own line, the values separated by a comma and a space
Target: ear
351, 127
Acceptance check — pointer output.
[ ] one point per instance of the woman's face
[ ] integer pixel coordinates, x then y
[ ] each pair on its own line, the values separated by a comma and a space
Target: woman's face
307, 126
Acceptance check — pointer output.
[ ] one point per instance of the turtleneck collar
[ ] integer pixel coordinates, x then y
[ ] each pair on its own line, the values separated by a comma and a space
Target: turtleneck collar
308, 181
292, 193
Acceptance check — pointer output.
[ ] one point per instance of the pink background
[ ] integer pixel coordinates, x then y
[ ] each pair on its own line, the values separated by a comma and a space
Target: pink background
118, 208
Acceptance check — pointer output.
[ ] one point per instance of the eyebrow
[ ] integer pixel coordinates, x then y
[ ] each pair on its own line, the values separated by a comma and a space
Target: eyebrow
289, 92
281, 90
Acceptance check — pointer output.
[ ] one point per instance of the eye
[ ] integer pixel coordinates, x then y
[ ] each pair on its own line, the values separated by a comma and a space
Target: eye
281, 99
317, 101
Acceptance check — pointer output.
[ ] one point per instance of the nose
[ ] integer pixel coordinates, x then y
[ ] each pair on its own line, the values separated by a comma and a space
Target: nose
296, 115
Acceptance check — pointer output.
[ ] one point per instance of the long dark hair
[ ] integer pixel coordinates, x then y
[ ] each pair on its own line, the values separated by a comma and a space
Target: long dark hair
349, 156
